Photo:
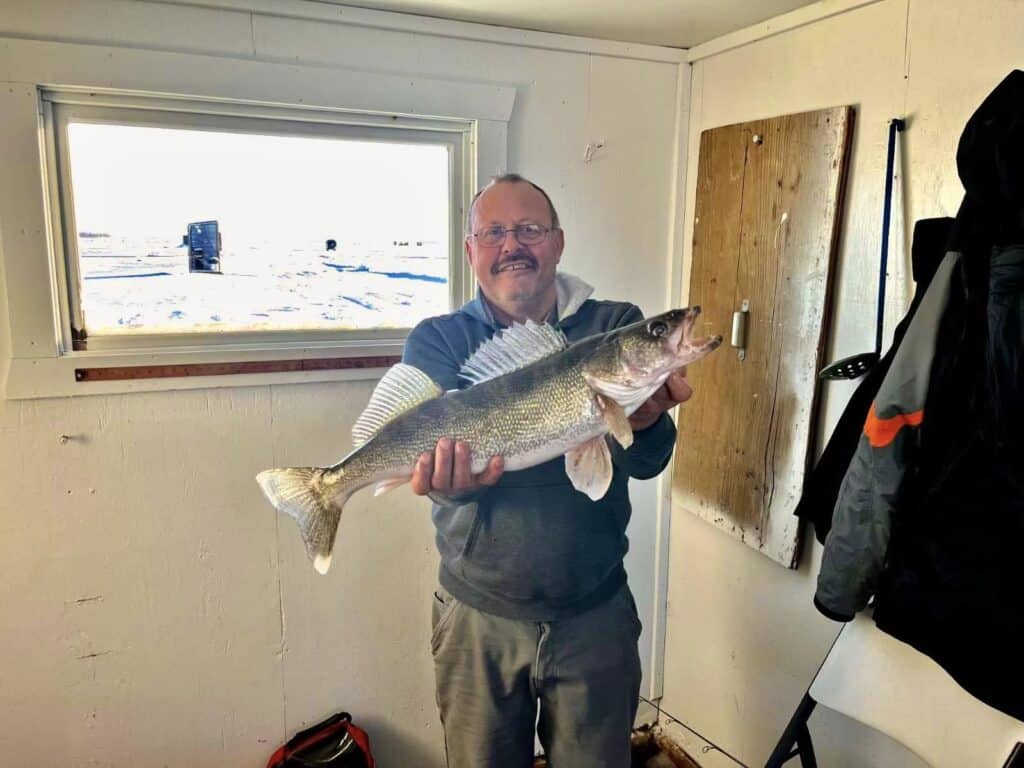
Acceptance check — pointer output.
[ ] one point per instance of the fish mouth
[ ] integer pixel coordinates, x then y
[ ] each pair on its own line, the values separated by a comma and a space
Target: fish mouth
682, 341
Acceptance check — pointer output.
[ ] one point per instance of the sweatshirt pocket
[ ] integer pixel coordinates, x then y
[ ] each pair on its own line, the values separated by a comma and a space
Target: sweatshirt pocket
474, 533
542, 543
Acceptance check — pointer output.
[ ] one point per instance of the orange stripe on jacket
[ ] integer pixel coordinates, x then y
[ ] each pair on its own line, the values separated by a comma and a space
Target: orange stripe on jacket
881, 432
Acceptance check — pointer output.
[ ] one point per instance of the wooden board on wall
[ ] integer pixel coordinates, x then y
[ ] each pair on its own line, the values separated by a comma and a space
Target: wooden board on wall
769, 200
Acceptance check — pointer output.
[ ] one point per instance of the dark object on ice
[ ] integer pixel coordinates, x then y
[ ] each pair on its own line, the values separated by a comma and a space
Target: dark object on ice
855, 366
332, 245
204, 243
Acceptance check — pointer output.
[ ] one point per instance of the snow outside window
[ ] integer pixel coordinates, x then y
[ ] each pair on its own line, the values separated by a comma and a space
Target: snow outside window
181, 227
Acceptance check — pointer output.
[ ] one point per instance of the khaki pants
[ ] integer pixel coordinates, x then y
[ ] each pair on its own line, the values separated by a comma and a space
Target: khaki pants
492, 673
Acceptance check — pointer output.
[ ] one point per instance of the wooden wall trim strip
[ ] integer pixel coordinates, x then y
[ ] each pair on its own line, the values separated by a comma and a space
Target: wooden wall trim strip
127, 372
801, 17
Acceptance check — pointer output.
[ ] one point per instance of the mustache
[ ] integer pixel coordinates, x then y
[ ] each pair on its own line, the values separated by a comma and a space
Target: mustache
520, 255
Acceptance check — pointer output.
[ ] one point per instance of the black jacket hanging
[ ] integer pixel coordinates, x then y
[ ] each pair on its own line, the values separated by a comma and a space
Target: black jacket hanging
822, 485
930, 515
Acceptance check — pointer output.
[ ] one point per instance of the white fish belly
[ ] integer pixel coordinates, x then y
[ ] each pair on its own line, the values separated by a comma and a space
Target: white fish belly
552, 449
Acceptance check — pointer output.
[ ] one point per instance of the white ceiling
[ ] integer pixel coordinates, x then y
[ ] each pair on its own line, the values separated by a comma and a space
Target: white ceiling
676, 23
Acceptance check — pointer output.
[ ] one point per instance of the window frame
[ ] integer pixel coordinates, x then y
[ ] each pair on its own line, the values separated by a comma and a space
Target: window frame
60, 107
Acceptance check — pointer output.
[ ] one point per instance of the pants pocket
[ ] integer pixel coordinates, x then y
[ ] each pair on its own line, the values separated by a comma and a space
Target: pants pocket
632, 614
444, 606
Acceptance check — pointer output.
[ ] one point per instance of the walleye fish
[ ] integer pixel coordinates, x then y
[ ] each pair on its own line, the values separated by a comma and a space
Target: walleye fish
533, 397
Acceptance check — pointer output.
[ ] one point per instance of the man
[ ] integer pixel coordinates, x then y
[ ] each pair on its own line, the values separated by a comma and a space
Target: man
533, 605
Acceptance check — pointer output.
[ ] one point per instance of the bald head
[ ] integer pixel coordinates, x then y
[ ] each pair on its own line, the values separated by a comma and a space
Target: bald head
511, 178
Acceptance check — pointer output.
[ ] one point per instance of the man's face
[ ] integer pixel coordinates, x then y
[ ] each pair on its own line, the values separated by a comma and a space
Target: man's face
516, 278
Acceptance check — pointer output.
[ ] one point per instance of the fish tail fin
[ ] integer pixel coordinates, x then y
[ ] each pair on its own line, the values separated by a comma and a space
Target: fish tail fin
314, 498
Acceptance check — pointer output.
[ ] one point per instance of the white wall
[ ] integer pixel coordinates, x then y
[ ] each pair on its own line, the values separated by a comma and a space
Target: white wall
743, 640
156, 611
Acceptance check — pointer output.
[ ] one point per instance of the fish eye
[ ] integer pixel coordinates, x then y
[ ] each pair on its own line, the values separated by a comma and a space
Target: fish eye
657, 328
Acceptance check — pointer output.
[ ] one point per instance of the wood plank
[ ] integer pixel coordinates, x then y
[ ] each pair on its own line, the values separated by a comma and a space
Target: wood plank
126, 372
742, 468
700, 455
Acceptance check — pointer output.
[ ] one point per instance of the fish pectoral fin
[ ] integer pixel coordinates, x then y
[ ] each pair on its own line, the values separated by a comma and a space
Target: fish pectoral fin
616, 420
389, 485
589, 467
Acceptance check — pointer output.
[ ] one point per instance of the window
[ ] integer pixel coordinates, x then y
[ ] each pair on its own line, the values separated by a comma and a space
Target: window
186, 223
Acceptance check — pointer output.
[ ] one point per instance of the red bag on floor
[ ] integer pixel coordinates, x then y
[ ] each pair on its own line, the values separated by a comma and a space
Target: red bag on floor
334, 743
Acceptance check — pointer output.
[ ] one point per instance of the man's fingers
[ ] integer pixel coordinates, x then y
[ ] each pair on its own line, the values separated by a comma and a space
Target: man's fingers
678, 388
648, 409
661, 400
675, 390
490, 475
449, 469
422, 474
441, 480
462, 472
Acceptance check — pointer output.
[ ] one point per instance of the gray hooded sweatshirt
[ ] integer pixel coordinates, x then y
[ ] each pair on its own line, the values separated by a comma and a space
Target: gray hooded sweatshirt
532, 547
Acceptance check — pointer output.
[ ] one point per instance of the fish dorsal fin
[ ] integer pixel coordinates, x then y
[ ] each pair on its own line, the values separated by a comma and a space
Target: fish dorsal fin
514, 348
402, 388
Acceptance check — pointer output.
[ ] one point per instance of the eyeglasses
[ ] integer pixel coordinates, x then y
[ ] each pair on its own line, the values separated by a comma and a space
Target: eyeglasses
525, 234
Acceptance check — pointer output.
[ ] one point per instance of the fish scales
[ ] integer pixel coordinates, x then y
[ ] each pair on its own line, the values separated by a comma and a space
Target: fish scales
537, 411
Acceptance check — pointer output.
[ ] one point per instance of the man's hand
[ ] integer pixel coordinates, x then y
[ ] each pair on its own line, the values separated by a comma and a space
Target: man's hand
674, 391
447, 470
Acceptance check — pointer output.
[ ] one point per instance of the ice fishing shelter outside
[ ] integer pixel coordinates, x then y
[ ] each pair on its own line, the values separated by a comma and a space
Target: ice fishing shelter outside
203, 240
